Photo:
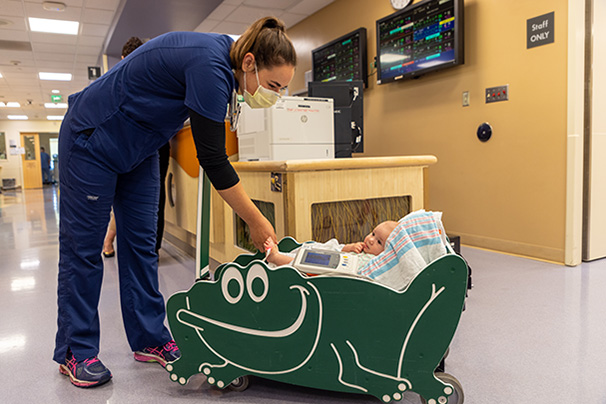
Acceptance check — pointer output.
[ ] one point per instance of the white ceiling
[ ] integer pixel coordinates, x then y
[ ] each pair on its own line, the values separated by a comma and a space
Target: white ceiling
23, 54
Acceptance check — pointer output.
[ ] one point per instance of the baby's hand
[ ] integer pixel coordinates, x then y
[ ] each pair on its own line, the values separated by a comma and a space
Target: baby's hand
354, 247
269, 244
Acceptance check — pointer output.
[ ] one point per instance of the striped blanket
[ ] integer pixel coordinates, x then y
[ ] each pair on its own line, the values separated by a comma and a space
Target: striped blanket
418, 239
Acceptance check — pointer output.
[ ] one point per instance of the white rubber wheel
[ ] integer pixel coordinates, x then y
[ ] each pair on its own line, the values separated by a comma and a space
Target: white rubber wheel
240, 384
457, 397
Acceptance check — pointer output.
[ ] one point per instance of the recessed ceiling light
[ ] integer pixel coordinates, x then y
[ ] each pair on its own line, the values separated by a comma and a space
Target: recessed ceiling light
11, 104
53, 26
55, 105
0, 75
53, 6
18, 117
55, 76
55, 91
54, 117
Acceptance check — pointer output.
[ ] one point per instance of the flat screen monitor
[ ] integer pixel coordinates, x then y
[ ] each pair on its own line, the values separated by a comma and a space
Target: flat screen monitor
419, 39
342, 59
349, 113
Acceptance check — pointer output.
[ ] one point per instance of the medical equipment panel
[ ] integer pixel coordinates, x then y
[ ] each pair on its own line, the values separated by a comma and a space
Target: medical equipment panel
320, 261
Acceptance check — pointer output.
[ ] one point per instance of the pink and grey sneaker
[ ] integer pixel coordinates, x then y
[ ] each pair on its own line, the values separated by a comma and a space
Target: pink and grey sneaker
87, 373
163, 354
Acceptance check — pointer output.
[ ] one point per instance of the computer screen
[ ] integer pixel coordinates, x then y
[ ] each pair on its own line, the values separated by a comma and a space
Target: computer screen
421, 38
342, 59
349, 113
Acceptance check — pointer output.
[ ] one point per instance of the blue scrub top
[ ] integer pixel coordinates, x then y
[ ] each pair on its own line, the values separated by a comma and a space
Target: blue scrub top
139, 104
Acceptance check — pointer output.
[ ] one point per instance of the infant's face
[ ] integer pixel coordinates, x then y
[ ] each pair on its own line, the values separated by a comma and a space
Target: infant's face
374, 243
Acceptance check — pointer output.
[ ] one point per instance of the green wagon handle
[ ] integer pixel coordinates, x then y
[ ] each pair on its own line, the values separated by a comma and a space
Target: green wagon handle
203, 226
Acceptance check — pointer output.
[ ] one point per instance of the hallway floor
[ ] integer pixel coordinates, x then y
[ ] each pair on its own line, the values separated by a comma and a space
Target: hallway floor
533, 332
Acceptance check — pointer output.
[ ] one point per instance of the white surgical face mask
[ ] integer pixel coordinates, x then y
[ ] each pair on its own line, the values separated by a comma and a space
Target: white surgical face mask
263, 97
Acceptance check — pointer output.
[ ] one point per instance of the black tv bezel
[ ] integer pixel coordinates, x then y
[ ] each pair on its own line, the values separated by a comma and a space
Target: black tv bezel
363, 52
459, 42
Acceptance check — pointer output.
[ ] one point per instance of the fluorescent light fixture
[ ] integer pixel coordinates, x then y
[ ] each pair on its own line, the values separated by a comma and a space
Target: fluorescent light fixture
55, 76
0, 75
234, 37
18, 117
53, 105
10, 104
54, 117
55, 91
53, 26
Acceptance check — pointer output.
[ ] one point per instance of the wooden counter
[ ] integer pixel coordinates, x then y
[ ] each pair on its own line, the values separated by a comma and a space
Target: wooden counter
299, 194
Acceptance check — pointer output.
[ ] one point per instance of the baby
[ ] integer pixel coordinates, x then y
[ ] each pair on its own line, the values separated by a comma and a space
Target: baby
373, 244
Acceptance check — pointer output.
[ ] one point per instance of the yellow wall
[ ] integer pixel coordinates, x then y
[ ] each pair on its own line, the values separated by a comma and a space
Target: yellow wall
506, 194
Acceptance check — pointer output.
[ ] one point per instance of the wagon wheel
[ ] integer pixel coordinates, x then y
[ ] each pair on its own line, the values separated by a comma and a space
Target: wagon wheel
240, 384
457, 397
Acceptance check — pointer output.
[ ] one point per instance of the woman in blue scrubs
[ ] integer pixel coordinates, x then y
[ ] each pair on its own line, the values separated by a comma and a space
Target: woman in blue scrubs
108, 154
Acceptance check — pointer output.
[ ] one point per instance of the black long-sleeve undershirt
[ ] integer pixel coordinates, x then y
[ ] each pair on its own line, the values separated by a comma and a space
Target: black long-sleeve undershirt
209, 137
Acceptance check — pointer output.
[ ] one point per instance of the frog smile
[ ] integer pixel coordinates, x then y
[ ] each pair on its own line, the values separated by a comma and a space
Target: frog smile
197, 321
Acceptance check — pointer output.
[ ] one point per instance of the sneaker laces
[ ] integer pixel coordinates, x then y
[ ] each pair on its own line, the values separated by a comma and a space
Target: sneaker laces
171, 346
90, 361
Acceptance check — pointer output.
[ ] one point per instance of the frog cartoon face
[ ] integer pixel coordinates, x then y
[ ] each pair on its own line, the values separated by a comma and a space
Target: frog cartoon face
225, 317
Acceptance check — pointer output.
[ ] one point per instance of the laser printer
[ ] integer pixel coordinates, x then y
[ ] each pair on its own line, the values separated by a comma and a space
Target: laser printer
294, 128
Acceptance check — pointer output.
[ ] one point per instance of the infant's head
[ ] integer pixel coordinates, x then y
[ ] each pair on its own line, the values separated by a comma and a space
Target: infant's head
374, 242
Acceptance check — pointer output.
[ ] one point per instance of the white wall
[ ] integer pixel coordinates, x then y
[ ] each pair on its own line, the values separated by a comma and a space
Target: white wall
11, 168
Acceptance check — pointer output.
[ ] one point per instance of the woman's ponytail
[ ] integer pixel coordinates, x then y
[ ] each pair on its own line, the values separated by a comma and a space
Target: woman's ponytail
266, 39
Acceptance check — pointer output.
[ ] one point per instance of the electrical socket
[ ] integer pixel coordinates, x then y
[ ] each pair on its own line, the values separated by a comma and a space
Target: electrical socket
465, 98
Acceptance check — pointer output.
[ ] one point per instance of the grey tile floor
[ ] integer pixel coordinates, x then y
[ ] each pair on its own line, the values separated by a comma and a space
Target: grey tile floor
533, 332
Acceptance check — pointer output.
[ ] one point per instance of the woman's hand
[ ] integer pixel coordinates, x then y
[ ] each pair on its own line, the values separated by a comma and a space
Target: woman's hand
260, 228
260, 231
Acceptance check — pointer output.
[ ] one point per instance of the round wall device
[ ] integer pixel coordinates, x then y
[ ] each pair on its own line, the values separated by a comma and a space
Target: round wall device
484, 132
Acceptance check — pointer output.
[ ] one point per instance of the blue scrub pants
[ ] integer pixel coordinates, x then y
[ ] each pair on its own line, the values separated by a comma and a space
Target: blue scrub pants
89, 187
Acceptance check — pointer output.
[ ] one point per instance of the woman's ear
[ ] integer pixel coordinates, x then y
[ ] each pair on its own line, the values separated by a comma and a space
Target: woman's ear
248, 62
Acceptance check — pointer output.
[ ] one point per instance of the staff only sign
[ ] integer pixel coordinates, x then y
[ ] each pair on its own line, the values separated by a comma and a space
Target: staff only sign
540, 30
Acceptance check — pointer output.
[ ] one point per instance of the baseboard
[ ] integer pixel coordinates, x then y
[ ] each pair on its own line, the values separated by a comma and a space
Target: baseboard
513, 247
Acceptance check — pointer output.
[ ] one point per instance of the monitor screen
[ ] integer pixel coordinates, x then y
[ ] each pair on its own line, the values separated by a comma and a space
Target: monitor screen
341, 59
317, 259
424, 37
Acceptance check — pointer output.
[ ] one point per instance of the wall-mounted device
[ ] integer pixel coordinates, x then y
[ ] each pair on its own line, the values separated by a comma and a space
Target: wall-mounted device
424, 37
496, 94
484, 132
342, 59
349, 113
294, 128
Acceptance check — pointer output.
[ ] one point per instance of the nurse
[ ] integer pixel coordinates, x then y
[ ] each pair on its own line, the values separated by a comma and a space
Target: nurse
108, 155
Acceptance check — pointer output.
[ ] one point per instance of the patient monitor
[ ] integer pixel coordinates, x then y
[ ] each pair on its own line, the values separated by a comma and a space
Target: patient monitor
320, 261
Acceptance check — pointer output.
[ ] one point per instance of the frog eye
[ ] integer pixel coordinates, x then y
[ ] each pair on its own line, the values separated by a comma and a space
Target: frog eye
257, 272
232, 274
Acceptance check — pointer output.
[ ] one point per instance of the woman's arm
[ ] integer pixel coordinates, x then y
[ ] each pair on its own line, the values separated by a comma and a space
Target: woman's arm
209, 137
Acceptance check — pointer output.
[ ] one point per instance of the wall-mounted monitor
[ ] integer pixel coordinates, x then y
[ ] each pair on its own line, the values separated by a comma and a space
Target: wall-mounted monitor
419, 39
343, 59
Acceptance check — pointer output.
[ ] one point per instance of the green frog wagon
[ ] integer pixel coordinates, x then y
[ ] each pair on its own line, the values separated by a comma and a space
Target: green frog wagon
329, 332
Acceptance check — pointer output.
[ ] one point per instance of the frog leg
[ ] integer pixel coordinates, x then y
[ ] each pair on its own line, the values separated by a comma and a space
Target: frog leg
221, 374
383, 386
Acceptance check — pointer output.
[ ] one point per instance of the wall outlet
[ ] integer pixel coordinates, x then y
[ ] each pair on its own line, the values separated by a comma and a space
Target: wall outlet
465, 98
